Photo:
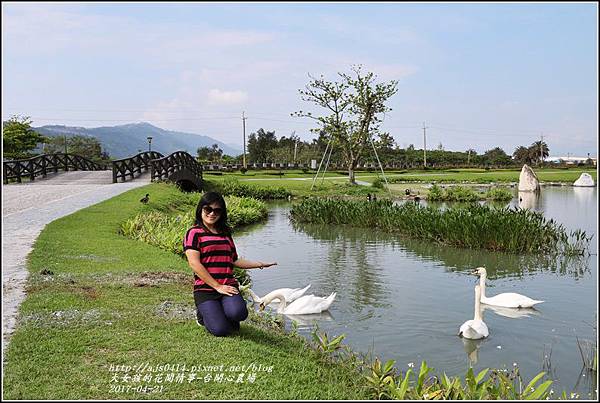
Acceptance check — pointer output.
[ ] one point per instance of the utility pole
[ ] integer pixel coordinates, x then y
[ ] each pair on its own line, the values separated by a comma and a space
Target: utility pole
542, 150
424, 146
244, 125
295, 145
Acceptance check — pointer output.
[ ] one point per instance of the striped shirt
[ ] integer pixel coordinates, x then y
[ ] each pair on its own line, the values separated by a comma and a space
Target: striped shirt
217, 254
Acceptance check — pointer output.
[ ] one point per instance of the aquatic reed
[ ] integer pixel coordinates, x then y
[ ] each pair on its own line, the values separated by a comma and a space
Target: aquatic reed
472, 226
465, 194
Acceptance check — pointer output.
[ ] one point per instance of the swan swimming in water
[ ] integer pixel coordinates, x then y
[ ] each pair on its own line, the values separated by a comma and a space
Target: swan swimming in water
304, 305
290, 294
475, 328
507, 299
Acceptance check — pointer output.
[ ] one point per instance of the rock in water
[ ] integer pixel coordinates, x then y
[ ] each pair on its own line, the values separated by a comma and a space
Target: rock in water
584, 180
528, 181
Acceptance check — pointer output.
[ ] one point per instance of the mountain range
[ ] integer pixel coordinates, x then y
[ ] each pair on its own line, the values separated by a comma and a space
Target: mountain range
126, 140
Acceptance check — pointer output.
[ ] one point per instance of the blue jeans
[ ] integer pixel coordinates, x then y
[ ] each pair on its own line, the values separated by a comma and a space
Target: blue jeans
222, 316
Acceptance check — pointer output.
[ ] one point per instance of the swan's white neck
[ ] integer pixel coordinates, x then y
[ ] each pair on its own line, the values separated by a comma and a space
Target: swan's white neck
477, 315
273, 295
482, 279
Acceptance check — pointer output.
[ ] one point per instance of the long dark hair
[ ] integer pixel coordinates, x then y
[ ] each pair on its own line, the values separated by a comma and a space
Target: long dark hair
208, 199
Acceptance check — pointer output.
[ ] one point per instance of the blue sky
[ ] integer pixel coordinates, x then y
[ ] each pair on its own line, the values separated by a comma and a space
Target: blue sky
479, 75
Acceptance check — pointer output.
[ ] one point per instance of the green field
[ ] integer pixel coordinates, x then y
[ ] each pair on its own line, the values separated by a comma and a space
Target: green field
336, 184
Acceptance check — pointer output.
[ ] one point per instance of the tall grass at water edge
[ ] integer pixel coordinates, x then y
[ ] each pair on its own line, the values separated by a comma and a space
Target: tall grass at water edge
463, 194
231, 186
473, 226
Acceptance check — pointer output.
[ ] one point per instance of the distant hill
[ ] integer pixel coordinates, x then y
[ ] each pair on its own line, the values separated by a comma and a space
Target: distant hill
126, 140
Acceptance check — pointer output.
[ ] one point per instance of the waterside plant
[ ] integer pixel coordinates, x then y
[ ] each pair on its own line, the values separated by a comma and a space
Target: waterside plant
465, 194
385, 381
232, 187
471, 226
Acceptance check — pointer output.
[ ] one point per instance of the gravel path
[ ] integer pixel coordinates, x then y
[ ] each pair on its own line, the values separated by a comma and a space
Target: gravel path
27, 208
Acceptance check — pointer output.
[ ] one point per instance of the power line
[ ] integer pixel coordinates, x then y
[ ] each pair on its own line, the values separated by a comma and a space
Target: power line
256, 116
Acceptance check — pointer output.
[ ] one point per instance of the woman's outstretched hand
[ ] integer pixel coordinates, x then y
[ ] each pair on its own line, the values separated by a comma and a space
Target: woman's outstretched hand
226, 289
268, 264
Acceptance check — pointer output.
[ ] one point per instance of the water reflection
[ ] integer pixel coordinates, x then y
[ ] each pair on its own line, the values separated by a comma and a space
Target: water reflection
472, 349
584, 194
587, 382
351, 258
529, 200
514, 313
348, 243
309, 320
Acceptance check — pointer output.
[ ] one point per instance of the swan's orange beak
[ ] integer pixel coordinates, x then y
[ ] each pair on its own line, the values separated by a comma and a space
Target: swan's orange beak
475, 273
261, 306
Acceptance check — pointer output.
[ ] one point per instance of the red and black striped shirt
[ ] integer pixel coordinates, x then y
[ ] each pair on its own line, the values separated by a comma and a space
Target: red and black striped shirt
217, 254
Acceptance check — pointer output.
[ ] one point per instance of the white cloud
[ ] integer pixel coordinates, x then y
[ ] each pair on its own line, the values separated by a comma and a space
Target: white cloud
49, 28
216, 96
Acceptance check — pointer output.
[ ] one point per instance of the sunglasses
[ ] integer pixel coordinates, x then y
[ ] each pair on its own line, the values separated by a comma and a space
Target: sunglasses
207, 210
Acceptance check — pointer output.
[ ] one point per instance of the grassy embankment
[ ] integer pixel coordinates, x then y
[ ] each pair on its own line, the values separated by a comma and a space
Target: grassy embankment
111, 300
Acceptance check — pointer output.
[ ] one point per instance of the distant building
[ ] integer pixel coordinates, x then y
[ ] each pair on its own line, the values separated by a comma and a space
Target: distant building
571, 160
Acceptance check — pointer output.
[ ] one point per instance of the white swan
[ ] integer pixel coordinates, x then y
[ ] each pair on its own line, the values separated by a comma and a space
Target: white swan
507, 299
476, 328
290, 294
304, 305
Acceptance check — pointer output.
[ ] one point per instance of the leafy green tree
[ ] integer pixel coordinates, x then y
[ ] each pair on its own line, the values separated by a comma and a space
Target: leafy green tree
496, 156
212, 153
85, 146
260, 144
522, 155
19, 138
353, 106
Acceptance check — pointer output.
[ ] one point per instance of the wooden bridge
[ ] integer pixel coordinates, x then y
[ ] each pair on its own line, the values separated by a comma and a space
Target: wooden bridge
178, 167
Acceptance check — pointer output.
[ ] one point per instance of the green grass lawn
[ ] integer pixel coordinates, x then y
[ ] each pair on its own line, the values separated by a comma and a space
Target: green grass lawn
115, 301
336, 184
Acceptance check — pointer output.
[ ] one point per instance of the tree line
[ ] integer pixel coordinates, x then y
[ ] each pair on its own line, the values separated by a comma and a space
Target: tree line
20, 141
265, 146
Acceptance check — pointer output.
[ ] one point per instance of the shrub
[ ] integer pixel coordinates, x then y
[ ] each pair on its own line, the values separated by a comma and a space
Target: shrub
378, 183
231, 186
435, 193
500, 194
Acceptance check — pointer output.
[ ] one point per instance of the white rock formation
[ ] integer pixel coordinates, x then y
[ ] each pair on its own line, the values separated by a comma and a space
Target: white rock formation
528, 181
584, 180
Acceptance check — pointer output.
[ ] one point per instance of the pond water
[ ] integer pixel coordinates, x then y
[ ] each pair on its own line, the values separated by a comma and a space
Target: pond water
405, 299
